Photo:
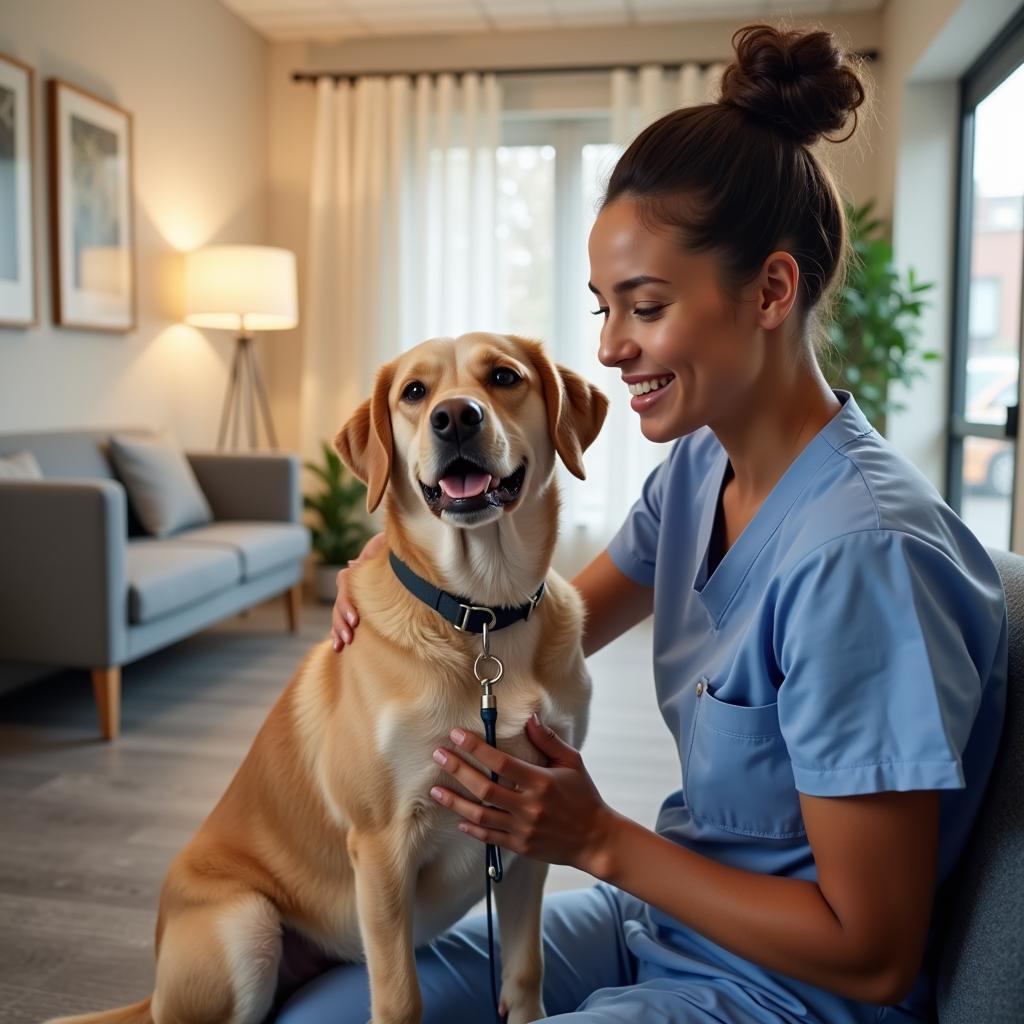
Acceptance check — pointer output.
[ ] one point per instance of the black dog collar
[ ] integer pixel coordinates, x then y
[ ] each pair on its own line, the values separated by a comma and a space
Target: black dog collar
460, 612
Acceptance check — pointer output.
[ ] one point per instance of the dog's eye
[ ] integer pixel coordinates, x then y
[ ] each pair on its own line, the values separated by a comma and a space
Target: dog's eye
414, 392
504, 377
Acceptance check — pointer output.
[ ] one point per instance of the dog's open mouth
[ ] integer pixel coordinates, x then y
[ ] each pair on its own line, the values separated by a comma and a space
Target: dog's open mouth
467, 487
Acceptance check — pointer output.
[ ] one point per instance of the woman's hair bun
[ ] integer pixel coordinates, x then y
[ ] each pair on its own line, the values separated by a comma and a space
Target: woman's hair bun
799, 82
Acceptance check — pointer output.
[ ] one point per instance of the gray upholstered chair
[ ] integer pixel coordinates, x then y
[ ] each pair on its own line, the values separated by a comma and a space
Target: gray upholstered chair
80, 589
981, 964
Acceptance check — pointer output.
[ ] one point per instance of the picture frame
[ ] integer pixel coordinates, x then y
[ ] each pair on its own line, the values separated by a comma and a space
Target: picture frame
91, 211
18, 278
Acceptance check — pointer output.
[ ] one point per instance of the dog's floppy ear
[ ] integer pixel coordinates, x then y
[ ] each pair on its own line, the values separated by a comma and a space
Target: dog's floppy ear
365, 443
576, 409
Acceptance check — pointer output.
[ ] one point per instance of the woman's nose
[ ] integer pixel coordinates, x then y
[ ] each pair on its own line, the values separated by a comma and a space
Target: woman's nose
616, 345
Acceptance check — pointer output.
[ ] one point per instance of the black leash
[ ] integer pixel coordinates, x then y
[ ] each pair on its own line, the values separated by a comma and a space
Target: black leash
492, 854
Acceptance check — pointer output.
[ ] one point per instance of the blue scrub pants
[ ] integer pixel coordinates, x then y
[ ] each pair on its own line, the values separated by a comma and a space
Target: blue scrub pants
590, 976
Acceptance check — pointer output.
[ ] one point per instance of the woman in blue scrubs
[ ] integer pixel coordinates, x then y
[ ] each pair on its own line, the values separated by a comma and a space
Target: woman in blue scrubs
829, 639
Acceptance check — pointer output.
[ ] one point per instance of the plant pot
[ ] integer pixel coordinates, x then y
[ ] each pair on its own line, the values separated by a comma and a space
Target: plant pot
325, 582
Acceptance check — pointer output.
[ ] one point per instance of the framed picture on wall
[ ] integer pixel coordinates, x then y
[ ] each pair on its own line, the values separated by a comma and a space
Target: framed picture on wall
91, 203
17, 207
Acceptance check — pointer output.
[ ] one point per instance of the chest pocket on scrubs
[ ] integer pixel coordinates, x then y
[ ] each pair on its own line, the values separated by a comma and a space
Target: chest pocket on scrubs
738, 775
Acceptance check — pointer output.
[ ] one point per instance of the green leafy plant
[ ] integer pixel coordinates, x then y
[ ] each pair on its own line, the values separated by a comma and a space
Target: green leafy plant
875, 327
339, 533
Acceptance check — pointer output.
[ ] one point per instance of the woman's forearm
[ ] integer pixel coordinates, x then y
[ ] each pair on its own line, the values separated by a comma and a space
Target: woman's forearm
783, 924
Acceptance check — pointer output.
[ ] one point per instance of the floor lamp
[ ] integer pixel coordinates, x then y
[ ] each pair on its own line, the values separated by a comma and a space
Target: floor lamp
242, 288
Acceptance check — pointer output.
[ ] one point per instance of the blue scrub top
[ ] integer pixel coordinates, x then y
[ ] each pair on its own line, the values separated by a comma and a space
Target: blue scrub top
852, 640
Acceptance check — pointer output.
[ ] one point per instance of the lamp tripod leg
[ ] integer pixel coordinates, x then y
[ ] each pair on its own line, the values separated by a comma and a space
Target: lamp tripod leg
249, 411
229, 397
236, 411
261, 392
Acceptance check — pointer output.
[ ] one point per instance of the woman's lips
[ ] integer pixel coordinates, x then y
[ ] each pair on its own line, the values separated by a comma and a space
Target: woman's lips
641, 403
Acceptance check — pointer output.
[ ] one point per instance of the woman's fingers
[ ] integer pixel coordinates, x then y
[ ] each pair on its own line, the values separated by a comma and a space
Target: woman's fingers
344, 617
487, 817
520, 773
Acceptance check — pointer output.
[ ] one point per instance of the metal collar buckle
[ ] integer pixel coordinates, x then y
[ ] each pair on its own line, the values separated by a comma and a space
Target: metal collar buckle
534, 601
467, 609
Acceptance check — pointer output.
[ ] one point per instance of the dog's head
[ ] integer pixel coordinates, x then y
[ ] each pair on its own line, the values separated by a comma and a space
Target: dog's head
466, 429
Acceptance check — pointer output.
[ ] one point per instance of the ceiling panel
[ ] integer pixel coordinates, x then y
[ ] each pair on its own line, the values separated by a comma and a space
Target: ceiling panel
336, 19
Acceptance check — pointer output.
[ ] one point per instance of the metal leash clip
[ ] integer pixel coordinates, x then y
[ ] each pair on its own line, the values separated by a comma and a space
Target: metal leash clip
487, 701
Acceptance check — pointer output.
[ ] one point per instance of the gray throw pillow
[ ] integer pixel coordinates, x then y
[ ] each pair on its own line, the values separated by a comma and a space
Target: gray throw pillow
20, 466
161, 486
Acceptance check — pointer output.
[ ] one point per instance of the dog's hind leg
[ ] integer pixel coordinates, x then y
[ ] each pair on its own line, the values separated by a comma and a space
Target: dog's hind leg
218, 963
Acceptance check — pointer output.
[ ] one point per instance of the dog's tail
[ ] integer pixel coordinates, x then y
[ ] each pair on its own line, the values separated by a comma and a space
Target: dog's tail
137, 1013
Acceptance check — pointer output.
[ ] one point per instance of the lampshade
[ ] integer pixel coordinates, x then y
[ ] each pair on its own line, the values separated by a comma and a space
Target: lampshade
241, 288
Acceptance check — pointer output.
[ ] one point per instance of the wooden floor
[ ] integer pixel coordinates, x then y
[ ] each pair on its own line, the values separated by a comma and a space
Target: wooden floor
87, 828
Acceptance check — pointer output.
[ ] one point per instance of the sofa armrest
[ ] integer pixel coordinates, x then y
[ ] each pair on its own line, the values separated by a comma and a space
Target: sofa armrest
256, 486
63, 590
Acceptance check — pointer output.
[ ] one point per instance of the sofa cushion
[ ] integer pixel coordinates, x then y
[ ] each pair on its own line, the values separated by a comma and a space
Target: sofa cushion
64, 453
165, 576
162, 489
20, 466
259, 546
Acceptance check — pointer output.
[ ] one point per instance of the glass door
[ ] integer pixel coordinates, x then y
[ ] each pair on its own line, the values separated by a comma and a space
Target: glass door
985, 388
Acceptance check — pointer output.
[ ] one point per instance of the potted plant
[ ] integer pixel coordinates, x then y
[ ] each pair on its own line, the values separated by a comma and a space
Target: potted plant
339, 532
875, 325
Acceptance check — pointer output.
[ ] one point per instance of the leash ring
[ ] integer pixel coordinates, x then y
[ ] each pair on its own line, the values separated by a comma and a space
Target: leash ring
482, 679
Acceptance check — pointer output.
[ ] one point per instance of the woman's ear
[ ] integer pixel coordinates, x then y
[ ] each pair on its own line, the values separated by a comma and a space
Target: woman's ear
365, 443
576, 409
779, 288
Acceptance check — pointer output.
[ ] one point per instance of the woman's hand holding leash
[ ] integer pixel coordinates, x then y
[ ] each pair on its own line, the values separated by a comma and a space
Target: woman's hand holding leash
553, 813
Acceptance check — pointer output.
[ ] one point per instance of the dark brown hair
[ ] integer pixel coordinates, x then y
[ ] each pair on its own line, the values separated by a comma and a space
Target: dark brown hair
737, 177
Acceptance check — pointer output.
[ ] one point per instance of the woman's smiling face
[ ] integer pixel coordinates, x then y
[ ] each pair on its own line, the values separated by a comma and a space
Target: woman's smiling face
670, 328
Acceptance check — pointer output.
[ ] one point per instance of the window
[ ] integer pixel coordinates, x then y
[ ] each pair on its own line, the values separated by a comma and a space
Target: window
525, 236
983, 309
551, 175
989, 284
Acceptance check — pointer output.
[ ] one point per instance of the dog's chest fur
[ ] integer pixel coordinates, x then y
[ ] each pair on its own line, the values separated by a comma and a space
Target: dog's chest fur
447, 864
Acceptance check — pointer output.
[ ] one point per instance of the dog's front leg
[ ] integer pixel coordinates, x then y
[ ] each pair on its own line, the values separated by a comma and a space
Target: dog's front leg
518, 897
384, 889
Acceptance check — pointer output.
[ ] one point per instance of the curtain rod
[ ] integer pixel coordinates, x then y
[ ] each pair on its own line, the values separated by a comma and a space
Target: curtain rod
313, 76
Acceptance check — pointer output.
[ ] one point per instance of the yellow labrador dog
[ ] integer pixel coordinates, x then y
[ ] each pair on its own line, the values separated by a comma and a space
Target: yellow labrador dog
328, 829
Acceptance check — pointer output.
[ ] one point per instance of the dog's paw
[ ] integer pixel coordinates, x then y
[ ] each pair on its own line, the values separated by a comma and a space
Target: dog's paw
526, 1011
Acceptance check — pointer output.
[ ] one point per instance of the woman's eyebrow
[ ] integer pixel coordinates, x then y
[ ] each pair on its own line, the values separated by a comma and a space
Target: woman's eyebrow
630, 283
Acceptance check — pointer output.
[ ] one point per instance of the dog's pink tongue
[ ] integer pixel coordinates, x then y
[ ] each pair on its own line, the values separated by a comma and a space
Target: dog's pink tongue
468, 486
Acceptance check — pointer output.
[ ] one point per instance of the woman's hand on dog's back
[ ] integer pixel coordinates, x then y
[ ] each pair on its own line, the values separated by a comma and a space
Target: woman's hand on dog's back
344, 617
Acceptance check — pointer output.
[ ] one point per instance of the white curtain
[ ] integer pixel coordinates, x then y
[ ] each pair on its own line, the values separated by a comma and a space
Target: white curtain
402, 247
401, 229
621, 458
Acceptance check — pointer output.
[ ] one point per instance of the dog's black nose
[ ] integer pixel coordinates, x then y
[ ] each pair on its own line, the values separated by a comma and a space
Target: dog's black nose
456, 419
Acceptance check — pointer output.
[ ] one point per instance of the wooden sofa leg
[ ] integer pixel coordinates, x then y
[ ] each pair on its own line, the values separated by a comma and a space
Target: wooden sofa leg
106, 688
293, 601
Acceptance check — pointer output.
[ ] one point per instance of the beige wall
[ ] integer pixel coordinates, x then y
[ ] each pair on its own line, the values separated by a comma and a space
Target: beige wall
292, 109
195, 79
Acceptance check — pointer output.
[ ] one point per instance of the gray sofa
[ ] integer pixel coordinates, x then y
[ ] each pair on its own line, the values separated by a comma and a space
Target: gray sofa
82, 587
